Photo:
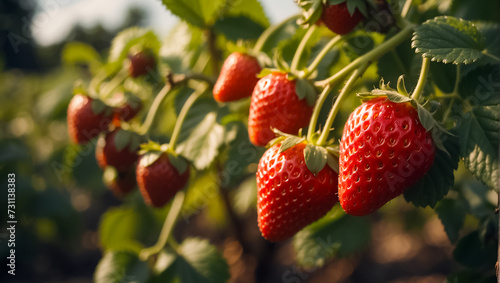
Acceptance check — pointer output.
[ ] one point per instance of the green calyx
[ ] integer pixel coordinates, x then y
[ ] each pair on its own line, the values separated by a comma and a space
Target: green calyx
316, 157
352, 5
99, 107
311, 12
127, 139
152, 151
401, 96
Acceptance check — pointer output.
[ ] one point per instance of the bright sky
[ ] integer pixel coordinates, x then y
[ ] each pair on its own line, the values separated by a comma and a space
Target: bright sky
56, 17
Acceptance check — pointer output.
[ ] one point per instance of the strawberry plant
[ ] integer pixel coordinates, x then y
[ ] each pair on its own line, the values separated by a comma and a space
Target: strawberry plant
315, 127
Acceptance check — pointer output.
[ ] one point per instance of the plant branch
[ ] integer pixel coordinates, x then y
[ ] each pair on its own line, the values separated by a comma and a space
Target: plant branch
173, 81
182, 115
148, 122
358, 73
214, 52
269, 32
321, 55
419, 89
114, 83
300, 49
317, 110
370, 56
167, 228
406, 8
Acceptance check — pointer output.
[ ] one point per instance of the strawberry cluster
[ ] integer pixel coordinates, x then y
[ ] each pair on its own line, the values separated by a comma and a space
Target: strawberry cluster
118, 146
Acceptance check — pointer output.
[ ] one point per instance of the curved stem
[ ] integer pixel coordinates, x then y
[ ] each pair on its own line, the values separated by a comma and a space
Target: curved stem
406, 8
96, 81
336, 106
182, 115
270, 31
167, 228
317, 110
146, 126
448, 110
370, 56
321, 55
300, 49
419, 89
457, 80
214, 52
114, 83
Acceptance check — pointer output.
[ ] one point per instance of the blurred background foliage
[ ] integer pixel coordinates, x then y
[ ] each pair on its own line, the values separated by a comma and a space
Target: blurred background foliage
66, 216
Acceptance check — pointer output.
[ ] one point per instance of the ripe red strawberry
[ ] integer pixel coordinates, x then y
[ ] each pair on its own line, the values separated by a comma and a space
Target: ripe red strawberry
161, 180
141, 63
338, 19
122, 183
237, 78
121, 154
289, 196
275, 104
87, 117
384, 150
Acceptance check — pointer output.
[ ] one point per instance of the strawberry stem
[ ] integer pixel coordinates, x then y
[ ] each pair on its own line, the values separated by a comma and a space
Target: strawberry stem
321, 55
358, 73
115, 82
300, 49
146, 126
182, 115
406, 8
419, 89
167, 228
269, 32
370, 56
317, 110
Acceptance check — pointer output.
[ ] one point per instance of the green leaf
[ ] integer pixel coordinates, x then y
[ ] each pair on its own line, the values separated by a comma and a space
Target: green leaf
401, 60
289, 142
130, 37
165, 268
202, 145
245, 197
471, 252
74, 53
124, 228
449, 40
121, 139
240, 153
199, 13
435, 184
201, 191
199, 261
179, 49
251, 9
451, 212
315, 157
238, 27
336, 234
305, 89
284, 32
478, 124
121, 266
